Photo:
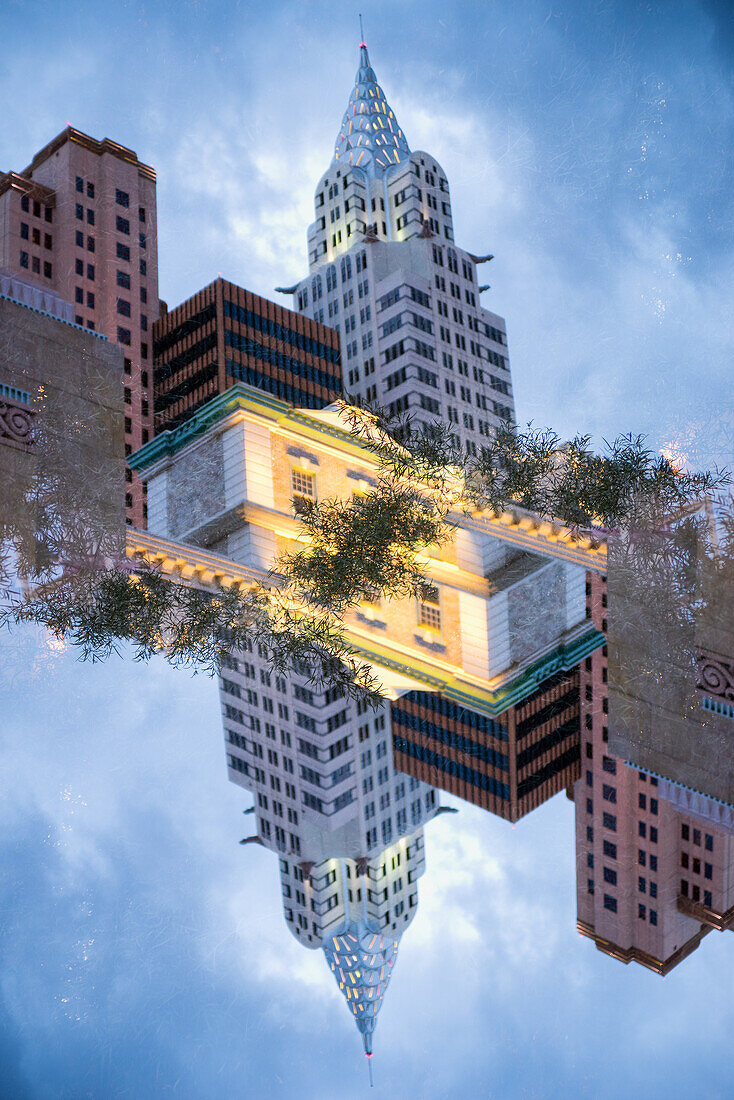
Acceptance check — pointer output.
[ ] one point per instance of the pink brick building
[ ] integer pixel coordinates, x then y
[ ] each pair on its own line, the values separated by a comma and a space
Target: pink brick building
654, 862
80, 221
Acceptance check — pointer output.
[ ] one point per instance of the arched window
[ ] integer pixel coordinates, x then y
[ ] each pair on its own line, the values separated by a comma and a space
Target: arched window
346, 268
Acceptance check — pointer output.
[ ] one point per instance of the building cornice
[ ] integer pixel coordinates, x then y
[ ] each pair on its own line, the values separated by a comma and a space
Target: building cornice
190, 565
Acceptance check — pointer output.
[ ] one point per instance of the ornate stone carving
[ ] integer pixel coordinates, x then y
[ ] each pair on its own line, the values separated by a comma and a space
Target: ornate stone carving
715, 674
16, 424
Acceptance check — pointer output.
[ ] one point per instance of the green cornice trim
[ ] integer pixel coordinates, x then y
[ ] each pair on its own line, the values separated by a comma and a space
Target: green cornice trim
239, 396
493, 703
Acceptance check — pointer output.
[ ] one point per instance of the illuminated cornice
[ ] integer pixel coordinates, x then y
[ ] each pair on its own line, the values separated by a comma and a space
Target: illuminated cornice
200, 568
550, 538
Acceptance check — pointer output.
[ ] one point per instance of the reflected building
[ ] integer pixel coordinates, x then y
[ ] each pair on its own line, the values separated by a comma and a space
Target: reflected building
655, 860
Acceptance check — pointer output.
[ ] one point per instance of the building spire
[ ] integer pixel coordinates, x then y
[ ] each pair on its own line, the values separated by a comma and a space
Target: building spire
369, 137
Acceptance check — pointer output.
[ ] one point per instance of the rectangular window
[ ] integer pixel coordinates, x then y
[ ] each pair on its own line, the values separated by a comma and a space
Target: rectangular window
143, 241
123, 307
610, 849
80, 185
610, 822
79, 212
610, 903
90, 244
123, 280
24, 259
303, 484
123, 225
429, 611
122, 198
123, 336
123, 252
90, 217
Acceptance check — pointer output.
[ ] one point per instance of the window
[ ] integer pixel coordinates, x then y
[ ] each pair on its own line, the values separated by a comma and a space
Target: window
123, 225
609, 793
90, 190
122, 198
123, 279
79, 211
610, 849
141, 213
610, 903
90, 217
653, 916
24, 231
143, 267
90, 244
303, 484
142, 240
79, 295
641, 829
642, 801
123, 307
25, 204
24, 259
36, 264
79, 267
429, 611
641, 911
123, 336
90, 272
90, 300
610, 876
610, 822
123, 252
641, 884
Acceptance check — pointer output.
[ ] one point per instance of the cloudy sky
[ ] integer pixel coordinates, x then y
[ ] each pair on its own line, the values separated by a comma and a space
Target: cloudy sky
144, 952
588, 145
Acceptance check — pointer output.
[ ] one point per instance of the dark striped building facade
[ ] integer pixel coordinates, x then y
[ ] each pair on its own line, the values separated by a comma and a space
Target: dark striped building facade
508, 765
225, 334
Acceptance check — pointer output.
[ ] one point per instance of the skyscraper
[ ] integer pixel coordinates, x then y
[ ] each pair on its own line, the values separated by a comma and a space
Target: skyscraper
654, 860
384, 270
80, 221
224, 334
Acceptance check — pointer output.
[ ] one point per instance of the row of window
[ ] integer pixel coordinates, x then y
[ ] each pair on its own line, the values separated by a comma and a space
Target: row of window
39, 209
33, 263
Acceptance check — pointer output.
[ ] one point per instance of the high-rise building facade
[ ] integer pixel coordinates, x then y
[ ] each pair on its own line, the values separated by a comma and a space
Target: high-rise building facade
655, 861
508, 765
80, 221
224, 334
385, 270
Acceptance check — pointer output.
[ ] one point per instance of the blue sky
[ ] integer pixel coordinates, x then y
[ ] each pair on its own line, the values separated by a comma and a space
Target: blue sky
143, 952
587, 145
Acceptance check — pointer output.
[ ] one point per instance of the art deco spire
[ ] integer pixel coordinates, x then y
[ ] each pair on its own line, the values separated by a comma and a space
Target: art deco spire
361, 959
370, 137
